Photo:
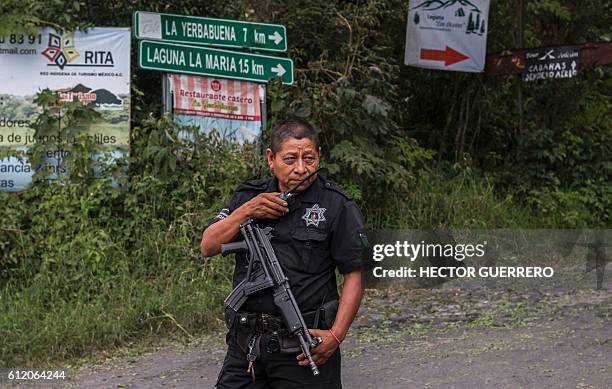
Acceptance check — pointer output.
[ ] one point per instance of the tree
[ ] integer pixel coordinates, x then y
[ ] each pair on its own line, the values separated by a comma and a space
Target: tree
22, 16
470, 26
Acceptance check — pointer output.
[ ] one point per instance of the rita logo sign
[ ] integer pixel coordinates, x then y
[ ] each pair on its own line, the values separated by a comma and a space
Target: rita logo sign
61, 49
62, 53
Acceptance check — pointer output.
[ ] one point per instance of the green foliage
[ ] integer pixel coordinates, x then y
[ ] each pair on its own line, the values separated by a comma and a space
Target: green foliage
108, 253
566, 151
83, 256
103, 264
23, 16
451, 197
348, 87
560, 147
582, 207
59, 133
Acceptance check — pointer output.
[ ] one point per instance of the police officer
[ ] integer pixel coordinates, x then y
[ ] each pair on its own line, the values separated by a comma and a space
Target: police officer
315, 232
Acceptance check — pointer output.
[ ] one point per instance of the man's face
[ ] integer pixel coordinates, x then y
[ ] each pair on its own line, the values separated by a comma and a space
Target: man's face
296, 159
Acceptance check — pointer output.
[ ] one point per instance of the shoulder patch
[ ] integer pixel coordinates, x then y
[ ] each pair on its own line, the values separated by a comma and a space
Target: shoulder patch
257, 185
333, 186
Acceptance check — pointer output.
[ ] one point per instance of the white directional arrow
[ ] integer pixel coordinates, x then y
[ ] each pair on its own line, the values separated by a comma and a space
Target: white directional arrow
276, 37
279, 70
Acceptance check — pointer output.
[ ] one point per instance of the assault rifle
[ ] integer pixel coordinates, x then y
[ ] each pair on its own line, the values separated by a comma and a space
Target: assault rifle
265, 272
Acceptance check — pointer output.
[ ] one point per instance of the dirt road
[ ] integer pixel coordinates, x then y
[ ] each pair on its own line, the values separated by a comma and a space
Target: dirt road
434, 338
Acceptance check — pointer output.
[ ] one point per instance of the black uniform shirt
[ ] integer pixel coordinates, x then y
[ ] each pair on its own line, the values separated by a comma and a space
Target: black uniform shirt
323, 230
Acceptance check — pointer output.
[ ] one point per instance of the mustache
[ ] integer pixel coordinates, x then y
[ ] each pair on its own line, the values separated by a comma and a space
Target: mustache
303, 180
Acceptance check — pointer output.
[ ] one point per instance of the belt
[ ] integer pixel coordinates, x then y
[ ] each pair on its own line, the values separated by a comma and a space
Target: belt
267, 323
249, 329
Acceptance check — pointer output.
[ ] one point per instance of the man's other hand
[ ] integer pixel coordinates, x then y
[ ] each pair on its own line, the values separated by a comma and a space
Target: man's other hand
323, 351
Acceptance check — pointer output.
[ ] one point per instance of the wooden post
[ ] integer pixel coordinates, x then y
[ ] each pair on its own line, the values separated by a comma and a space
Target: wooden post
519, 84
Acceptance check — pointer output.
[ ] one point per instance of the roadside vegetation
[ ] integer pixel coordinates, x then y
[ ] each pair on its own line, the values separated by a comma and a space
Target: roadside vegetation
109, 255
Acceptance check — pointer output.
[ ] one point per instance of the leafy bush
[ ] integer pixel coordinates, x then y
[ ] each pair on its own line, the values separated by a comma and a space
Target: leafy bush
91, 260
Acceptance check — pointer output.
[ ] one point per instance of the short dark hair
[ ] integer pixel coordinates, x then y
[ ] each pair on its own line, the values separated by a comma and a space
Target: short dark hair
295, 128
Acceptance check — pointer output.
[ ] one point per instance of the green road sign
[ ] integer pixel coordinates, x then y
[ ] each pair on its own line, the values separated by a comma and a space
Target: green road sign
204, 61
208, 31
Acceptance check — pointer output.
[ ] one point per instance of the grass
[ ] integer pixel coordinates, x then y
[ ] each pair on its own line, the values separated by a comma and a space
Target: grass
78, 280
43, 327
462, 201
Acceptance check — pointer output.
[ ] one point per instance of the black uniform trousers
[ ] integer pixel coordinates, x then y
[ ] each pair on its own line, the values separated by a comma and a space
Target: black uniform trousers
276, 371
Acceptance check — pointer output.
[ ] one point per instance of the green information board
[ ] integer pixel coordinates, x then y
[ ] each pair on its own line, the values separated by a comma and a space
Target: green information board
209, 31
178, 58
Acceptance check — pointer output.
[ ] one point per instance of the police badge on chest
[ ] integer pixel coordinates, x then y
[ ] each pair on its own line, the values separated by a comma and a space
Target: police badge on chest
314, 215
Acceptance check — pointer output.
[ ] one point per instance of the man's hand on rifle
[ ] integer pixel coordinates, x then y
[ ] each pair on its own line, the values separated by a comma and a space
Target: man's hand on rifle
323, 351
266, 206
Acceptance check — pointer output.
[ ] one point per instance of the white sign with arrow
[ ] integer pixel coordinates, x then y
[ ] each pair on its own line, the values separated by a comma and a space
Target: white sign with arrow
447, 34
